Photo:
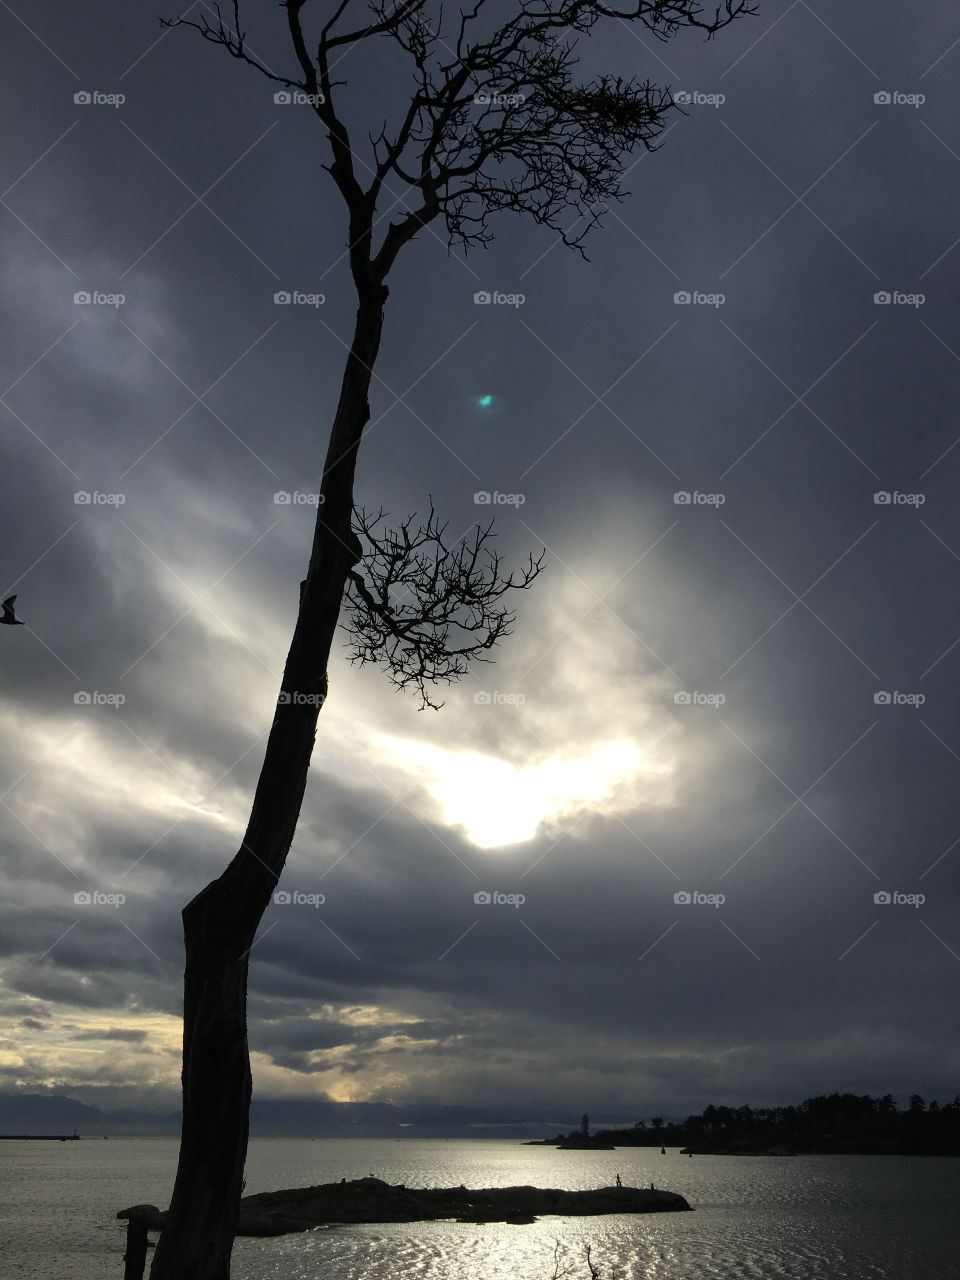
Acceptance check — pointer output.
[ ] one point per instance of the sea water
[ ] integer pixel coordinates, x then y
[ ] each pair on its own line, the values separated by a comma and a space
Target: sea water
756, 1218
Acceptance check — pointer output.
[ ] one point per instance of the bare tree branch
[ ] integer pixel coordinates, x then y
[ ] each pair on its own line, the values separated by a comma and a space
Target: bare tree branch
496, 121
423, 608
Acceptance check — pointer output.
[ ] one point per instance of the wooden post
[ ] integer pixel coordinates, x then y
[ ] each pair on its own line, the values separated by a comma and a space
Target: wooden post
141, 1219
135, 1259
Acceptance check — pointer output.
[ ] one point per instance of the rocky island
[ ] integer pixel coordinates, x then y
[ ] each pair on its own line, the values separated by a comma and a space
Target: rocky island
371, 1200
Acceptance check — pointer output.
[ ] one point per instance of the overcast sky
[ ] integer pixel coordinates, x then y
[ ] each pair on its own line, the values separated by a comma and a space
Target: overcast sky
689, 704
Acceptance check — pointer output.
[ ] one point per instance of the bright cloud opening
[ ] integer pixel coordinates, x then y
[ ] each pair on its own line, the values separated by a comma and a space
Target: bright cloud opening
498, 803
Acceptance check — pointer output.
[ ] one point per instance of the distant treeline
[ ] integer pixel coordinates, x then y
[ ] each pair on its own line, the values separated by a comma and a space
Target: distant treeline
840, 1123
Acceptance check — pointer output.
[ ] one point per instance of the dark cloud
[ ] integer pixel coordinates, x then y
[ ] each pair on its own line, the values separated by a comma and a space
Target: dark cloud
123, 1034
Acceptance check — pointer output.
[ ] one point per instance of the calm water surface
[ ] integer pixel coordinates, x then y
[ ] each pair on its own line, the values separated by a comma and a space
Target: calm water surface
771, 1218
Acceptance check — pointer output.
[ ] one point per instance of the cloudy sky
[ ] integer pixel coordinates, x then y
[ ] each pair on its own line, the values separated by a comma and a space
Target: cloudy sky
722, 726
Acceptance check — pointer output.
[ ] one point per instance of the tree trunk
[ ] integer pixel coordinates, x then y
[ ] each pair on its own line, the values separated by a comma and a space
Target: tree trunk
221, 922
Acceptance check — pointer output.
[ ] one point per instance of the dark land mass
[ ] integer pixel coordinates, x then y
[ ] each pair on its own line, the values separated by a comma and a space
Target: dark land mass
39, 1137
833, 1124
574, 1142
276, 1213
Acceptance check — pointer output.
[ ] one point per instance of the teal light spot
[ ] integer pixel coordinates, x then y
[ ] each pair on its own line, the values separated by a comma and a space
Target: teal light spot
485, 402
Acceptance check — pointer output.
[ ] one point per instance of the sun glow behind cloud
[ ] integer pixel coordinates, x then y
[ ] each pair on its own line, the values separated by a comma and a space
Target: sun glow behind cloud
583, 727
498, 803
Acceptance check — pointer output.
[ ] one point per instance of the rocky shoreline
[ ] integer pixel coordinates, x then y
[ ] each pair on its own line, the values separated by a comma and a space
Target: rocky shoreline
371, 1200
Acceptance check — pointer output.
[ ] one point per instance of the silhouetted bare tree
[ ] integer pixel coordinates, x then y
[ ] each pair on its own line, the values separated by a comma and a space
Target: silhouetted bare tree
496, 120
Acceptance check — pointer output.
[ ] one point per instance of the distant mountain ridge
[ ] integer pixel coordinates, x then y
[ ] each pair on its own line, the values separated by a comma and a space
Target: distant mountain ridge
58, 1113
44, 1113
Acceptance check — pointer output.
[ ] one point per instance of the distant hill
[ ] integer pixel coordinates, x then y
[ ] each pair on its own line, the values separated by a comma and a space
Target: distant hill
45, 1113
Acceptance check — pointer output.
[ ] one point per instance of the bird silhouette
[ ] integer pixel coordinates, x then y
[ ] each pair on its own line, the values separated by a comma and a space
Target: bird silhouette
10, 618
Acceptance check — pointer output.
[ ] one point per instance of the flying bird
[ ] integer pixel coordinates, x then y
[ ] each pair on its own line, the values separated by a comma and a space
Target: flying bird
10, 618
